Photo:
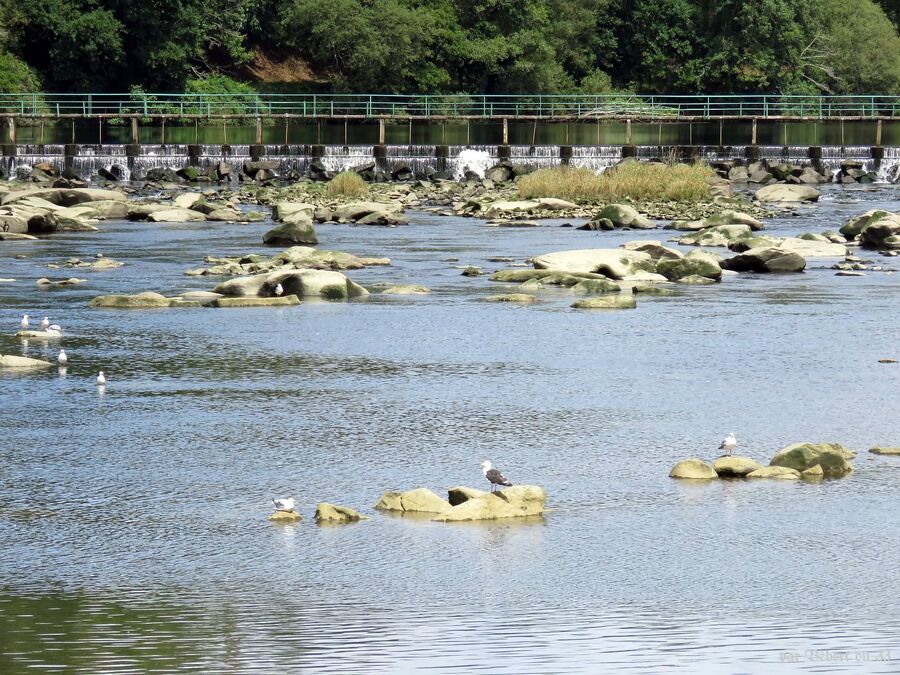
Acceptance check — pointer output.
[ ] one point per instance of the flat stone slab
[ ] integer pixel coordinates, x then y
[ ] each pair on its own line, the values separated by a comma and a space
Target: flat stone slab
250, 301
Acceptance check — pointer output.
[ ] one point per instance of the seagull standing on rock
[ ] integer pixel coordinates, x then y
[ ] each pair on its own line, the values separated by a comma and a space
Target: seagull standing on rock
24, 323
45, 324
279, 289
493, 475
286, 504
729, 443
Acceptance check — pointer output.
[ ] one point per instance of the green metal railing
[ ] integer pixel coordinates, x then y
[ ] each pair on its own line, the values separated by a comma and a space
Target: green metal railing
459, 106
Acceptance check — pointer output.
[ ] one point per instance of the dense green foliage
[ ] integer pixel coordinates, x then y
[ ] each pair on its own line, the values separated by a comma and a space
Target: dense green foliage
447, 46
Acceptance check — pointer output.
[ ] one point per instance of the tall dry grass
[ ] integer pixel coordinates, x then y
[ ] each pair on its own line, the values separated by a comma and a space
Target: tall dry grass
639, 181
347, 184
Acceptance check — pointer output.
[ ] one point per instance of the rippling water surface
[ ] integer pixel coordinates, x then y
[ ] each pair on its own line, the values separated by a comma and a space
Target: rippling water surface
133, 523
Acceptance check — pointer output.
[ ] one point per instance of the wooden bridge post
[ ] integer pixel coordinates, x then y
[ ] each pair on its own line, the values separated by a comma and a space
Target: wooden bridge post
381, 131
753, 133
11, 129
259, 131
628, 132
135, 134
505, 131
878, 127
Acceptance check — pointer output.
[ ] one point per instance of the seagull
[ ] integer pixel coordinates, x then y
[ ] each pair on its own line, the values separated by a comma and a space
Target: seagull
62, 358
493, 475
53, 326
729, 443
25, 322
286, 504
279, 289
101, 379
45, 324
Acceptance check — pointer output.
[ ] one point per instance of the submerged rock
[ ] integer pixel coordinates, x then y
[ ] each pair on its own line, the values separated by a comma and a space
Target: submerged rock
513, 502
405, 289
879, 450
775, 472
332, 513
522, 298
693, 469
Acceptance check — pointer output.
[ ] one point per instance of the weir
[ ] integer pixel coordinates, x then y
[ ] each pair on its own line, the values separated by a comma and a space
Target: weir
135, 160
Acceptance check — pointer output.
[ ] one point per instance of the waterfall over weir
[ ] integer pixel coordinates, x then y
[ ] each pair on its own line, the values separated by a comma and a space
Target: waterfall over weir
86, 160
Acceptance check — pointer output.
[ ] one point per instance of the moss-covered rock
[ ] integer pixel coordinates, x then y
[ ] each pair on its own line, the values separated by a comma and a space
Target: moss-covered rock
606, 302
595, 287
285, 517
696, 263
693, 469
288, 234
721, 235
765, 259
832, 457
622, 215
853, 227
610, 262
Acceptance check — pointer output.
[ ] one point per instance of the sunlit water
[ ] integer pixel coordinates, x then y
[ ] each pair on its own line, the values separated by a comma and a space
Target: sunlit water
133, 520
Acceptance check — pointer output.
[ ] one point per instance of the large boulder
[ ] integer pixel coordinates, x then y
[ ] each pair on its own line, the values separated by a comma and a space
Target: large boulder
299, 232
282, 210
146, 300
65, 196
514, 502
421, 500
854, 227
735, 466
765, 259
370, 213
719, 235
20, 362
883, 233
787, 194
834, 458
695, 263
623, 216
610, 262
304, 283
693, 469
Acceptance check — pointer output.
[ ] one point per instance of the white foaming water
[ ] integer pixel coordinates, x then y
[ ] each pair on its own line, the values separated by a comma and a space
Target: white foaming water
477, 161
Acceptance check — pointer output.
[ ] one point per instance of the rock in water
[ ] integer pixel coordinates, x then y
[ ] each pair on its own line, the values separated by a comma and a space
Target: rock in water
833, 458
606, 302
780, 194
735, 466
765, 259
458, 495
513, 502
695, 263
776, 473
693, 469
421, 500
521, 298
332, 513
289, 234
285, 516
623, 216
879, 450
147, 300
9, 361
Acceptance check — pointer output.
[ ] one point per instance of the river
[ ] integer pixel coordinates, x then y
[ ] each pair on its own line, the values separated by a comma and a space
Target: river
133, 520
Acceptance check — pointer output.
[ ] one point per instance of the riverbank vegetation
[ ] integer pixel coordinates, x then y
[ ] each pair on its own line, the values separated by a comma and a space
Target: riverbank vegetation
637, 181
451, 46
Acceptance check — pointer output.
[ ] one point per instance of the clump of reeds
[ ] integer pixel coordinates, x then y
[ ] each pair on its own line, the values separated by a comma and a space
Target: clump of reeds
638, 181
347, 184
